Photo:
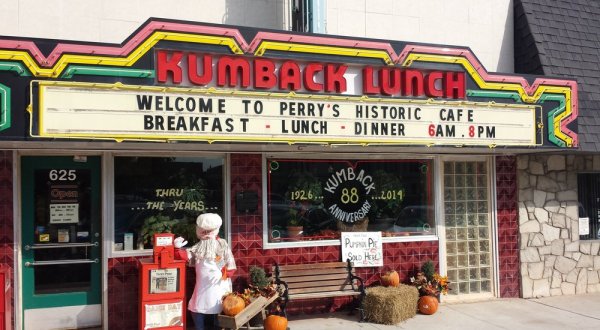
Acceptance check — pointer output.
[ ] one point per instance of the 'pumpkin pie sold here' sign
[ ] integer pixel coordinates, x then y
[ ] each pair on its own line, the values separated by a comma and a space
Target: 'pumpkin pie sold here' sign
364, 249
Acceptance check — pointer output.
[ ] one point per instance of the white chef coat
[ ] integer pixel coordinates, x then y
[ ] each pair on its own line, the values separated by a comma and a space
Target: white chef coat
209, 289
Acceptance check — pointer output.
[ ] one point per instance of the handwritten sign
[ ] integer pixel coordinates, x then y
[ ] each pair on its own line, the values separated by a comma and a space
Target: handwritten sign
64, 213
364, 249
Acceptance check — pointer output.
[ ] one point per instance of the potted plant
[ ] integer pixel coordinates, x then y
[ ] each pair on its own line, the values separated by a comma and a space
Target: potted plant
295, 225
305, 193
430, 284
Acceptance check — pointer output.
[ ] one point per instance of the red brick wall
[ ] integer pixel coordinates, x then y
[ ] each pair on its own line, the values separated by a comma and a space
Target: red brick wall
508, 226
7, 248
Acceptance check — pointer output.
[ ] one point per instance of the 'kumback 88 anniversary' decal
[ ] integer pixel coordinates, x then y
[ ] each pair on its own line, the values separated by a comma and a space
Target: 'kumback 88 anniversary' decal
346, 194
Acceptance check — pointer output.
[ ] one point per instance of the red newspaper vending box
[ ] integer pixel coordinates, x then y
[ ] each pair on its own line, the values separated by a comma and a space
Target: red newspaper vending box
162, 288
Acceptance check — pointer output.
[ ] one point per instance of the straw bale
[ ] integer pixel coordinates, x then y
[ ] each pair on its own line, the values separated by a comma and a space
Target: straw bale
390, 305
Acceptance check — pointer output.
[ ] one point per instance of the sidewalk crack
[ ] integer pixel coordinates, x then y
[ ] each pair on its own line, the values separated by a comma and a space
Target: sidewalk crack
566, 310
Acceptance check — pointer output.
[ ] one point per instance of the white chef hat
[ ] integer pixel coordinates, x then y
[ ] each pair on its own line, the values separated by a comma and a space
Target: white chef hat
209, 221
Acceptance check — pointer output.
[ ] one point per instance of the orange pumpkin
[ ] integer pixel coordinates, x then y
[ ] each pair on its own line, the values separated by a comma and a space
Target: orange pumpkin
390, 278
275, 322
428, 305
233, 304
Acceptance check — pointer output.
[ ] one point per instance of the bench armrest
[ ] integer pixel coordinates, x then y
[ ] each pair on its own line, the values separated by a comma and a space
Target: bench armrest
359, 280
283, 288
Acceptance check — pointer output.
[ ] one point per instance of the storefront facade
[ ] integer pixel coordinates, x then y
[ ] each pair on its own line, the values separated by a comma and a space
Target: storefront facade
105, 144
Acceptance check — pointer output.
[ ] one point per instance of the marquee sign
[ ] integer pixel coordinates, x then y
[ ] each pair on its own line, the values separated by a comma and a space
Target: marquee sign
121, 112
174, 63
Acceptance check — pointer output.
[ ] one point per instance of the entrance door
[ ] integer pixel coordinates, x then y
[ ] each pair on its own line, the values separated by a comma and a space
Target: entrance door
467, 221
61, 242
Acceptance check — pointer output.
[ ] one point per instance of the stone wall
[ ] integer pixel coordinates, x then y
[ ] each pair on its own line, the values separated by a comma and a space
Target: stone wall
553, 259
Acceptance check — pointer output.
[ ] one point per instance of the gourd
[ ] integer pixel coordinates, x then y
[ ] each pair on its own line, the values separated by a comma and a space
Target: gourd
428, 305
390, 278
275, 322
233, 304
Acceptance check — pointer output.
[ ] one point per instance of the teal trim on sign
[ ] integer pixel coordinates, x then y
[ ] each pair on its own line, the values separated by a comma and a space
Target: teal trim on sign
14, 67
501, 95
552, 114
104, 71
4, 107
545, 97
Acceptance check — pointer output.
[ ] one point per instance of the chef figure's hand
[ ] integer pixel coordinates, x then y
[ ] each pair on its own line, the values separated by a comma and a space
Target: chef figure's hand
179, 242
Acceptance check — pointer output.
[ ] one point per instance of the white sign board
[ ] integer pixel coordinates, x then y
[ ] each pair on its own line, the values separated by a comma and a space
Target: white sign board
164, 240
584, 226
64, 213
163, 315
364, 249
119, 112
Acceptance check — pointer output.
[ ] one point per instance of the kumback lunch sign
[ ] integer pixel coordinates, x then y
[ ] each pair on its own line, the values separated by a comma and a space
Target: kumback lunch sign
129, 112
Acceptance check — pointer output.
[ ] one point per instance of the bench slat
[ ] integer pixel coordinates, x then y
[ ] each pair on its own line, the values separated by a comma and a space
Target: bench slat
326, 289
314, 271
323, 295
338, 264
316, 284
305, 278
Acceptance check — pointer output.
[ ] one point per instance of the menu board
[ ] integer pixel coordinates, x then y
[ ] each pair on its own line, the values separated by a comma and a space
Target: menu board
364, 249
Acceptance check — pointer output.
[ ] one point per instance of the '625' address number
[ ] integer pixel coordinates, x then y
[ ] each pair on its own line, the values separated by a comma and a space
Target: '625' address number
62, 175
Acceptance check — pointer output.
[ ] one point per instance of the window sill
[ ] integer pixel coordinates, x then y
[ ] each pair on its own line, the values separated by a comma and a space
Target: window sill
297, 244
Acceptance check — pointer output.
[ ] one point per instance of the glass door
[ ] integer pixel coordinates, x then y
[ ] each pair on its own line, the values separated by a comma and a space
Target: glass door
468, 228
61, 240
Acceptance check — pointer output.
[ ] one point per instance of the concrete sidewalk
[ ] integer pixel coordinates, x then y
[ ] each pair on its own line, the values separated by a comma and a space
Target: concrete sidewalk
564, 312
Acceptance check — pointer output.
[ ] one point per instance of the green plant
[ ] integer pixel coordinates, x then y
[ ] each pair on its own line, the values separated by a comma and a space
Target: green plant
388, 184
295, 216
155, 224
258, 277
304, 187
186, 228
428, 268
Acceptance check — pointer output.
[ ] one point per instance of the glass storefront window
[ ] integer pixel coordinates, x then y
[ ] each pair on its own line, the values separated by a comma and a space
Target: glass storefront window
317, 199
164, 194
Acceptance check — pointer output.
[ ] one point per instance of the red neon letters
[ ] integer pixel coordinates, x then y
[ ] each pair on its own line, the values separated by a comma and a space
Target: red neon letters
262, 73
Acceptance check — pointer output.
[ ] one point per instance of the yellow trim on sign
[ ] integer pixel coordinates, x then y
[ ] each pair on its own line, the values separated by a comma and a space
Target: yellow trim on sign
279, 95
324, 50
125, 61
503, 86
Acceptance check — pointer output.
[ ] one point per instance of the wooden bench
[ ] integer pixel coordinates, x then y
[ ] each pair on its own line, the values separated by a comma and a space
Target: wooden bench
320, 280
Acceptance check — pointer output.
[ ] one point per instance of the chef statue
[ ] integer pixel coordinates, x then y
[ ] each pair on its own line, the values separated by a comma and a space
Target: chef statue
214, 264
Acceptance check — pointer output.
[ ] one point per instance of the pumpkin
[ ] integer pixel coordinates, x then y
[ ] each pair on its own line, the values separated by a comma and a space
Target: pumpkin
233, 304
390, 278
275, 322
428, 305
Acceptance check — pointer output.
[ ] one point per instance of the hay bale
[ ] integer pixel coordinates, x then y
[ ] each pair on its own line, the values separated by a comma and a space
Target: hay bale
390, 305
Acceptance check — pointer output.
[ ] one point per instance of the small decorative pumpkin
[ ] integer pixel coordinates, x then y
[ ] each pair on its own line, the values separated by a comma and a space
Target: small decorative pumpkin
233, 304
275, 322
390, 278
428, 305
